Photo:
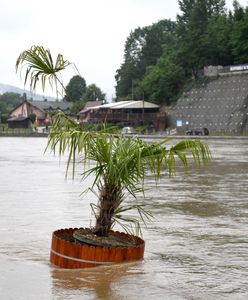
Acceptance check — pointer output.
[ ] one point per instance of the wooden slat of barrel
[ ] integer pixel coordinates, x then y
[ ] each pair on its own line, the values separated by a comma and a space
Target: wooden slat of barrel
67, 254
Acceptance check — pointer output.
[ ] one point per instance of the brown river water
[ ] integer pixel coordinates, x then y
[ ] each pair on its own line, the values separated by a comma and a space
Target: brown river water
196, 247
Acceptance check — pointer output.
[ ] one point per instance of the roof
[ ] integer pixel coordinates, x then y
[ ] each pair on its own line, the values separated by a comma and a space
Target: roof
46, 105
131, 104
52, 105
91, 104
18, 119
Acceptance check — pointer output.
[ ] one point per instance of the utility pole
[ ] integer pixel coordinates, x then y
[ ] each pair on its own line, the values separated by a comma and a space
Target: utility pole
143, 107
132, 89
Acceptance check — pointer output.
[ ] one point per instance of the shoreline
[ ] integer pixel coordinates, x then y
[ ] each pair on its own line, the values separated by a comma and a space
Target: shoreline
38, 135
193, 137
146, 136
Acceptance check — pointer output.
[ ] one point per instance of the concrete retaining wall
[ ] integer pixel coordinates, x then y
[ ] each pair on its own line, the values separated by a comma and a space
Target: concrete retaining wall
221, 105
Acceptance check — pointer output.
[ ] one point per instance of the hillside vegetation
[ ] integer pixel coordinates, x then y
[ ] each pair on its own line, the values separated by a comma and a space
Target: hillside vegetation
161, 59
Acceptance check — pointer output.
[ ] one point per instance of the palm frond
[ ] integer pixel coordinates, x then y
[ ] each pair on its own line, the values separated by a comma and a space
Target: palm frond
121, 162
40, 67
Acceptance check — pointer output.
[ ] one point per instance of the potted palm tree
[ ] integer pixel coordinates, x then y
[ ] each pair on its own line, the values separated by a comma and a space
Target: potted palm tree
118, 165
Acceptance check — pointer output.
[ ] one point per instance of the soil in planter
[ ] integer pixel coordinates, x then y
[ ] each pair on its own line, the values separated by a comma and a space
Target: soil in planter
85, 236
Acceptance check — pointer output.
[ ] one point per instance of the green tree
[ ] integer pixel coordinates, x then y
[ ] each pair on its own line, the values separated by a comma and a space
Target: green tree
11, 99
217, 41
192, 27
163, 82
160, 36
130, 69
93, 92
32, 117
125, 77
77, 106
238, 11
143, 48
8, 101
239, 35
75, 89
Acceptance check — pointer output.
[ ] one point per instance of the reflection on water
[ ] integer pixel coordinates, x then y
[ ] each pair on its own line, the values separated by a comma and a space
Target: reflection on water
196, 248
96, 281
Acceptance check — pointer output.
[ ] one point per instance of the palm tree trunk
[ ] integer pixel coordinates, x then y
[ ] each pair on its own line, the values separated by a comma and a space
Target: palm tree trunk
107, 205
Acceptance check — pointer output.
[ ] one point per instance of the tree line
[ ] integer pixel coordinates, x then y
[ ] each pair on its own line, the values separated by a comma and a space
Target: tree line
161, 59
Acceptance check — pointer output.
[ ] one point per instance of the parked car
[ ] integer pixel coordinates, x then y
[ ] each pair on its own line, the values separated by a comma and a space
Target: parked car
128, 130
198, 131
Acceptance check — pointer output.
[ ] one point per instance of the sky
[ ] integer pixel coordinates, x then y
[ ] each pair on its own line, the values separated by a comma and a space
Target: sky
89, 33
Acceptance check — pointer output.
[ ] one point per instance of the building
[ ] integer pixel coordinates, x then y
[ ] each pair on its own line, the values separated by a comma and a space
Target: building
20, 116
19, 122
125, 113
84, 114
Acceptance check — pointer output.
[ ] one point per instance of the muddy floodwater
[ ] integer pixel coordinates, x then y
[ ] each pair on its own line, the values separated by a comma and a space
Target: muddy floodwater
196, 247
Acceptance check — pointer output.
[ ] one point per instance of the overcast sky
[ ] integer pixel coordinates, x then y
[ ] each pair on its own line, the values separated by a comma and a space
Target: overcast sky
90, 33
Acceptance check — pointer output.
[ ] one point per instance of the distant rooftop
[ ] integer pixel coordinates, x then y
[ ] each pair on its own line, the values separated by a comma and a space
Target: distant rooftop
52, 105
131, 104
90, 104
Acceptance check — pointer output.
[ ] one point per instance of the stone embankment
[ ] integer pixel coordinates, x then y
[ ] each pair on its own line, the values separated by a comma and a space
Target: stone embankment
220, 104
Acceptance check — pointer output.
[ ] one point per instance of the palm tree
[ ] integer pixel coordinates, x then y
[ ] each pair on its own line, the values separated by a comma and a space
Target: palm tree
119, 164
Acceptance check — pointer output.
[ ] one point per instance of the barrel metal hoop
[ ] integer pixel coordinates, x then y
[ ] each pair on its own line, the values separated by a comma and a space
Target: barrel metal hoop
81, 260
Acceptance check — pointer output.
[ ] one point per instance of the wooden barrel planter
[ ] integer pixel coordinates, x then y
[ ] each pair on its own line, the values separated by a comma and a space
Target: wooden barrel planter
69, 254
